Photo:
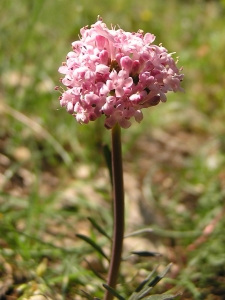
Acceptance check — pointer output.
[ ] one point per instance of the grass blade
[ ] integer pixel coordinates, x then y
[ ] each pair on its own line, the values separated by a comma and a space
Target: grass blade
87, 296
108, 160
146, 253
160, 276
113, 292
162, 297
99, 228
92, 243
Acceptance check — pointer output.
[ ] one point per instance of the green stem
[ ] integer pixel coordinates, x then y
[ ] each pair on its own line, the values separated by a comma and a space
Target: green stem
118, 204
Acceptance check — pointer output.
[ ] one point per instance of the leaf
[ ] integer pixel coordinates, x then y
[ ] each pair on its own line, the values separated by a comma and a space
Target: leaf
145, 287
144, 282
99, 228
113, 292
93, 244
160, 276
108, 160
146, 253
87, 296
161, 297
143, 294
137, 232
93, 270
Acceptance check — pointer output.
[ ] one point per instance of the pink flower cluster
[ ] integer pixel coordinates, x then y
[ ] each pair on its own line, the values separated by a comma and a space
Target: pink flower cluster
117, 74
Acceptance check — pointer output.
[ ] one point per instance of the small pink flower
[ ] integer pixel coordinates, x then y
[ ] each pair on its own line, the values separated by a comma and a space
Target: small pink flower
116, 73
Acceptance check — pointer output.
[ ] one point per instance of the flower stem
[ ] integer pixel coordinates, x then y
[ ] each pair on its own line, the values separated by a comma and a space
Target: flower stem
118, 206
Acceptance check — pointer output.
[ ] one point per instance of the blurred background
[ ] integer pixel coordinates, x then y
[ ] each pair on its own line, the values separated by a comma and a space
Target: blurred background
52, 170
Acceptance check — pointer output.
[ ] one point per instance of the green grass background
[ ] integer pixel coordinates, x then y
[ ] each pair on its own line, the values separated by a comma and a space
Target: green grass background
51, 167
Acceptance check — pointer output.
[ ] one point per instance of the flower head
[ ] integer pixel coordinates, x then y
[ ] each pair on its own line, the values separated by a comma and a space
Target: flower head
116, 73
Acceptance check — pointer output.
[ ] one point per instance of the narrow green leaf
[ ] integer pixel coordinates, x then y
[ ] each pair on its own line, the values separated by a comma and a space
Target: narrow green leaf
161, 297
165, 271
93, 270
175, 234
92, 243
160, 276
141, 285
144, 282
144, 293
87, 296
146, 253
155, 281
108, 160
137, 232
145, 287
99, 228
113, 292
